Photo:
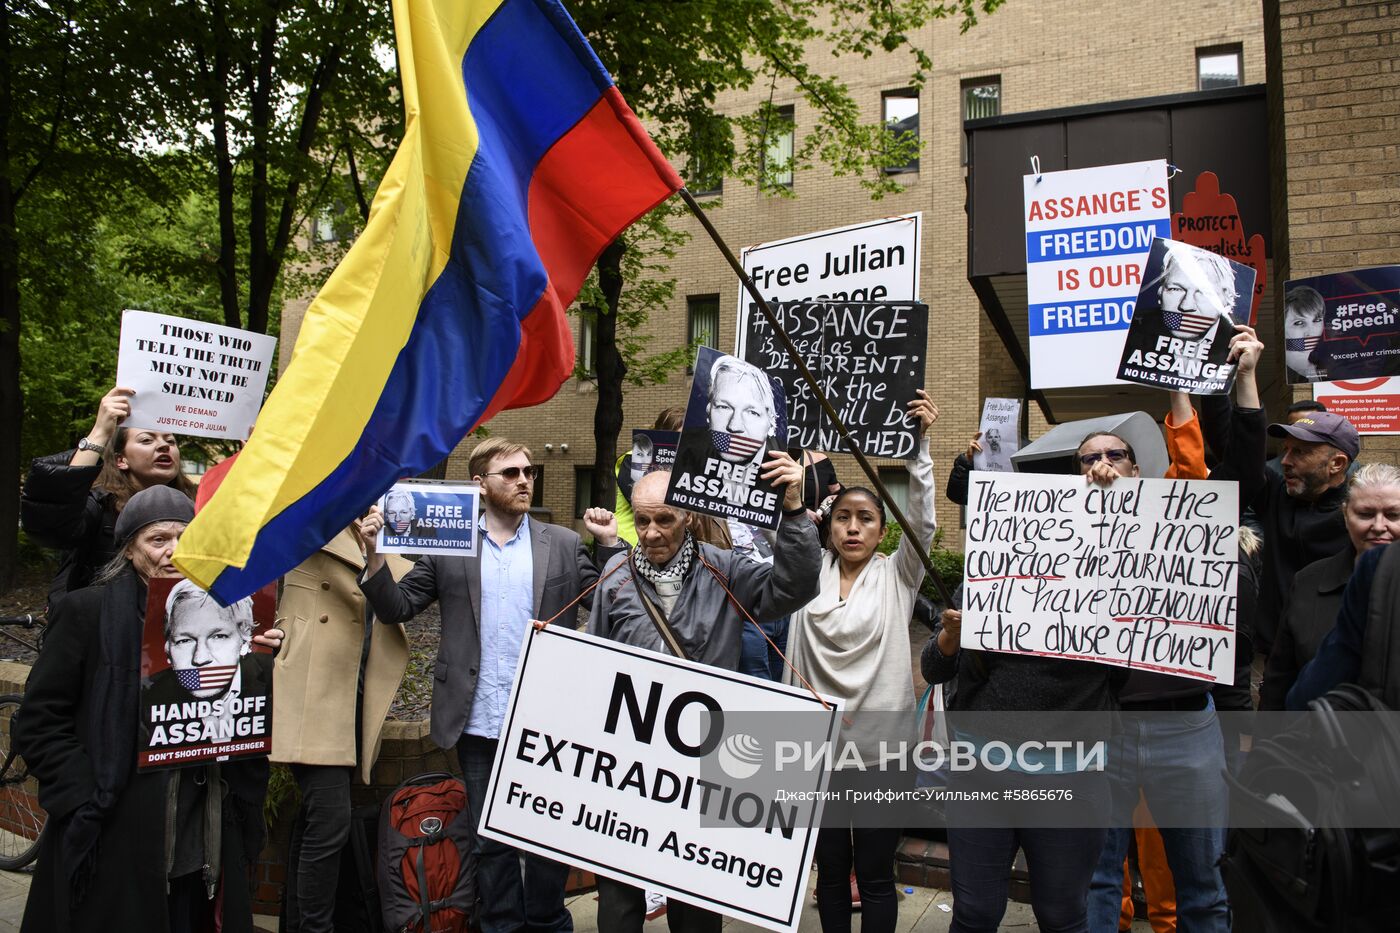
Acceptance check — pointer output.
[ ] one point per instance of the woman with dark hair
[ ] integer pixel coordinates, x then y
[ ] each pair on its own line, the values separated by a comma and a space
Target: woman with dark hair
71, 500
852, 641
127, 849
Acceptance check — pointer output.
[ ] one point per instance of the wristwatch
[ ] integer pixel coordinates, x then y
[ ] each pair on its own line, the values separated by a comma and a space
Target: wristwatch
86, 444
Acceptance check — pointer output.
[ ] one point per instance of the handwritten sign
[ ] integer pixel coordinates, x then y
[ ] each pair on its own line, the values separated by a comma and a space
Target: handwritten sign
873, 261
423, 517
736, 414
1087, 234
868, 358
206, 688
646, 775
1345, 325
1184, 320
1001, 435
1139, 574
205, 380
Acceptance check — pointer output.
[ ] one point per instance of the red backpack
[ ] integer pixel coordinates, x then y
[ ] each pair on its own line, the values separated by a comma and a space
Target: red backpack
427, 869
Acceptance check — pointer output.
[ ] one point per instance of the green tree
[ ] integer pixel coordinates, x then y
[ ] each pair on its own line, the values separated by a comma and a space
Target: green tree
673, 61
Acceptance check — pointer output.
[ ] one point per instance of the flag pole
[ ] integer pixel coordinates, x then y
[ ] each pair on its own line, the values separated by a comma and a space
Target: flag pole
812, 383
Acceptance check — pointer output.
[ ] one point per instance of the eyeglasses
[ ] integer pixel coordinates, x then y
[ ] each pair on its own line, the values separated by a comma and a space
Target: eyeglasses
514, 473
1113, 456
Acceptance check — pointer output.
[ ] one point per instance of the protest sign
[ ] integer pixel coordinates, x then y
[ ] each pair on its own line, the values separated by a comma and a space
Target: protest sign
206, 689
1001, 435
643, 777
653, 451
736, 414
1140, 574
868, 357
1210, 220
874, 261
1342, 326
204, 380
424, 517
1185, 317
1372, 405
1087, 235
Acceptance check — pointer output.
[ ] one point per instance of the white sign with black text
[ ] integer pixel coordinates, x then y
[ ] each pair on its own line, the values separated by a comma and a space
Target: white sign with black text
191, 377
608, 776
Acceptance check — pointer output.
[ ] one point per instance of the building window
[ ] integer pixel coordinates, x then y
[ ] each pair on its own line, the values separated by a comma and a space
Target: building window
777, 157
981, 98
702, 321
583, 489
537, 497
588, 344
896, 480
1221, 66
900, 111
702, 181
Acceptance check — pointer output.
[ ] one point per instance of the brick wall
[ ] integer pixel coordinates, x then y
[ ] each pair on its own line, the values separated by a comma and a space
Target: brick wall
1335, 134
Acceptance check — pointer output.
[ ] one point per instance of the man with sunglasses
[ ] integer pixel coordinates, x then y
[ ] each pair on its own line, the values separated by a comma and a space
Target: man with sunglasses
523, 570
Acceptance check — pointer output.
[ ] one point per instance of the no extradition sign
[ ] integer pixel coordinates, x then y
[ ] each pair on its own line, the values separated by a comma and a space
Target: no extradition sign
1087, 235
600, 766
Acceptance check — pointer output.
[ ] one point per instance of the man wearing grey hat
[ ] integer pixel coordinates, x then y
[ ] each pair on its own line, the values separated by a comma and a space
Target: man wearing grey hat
1301, 511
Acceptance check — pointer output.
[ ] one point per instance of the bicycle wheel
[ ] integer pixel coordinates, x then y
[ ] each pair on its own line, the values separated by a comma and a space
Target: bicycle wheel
21, 817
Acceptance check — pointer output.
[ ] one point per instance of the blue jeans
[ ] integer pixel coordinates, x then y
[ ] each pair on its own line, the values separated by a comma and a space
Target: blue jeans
1177, 759
1060, 863
756, 657
512, 898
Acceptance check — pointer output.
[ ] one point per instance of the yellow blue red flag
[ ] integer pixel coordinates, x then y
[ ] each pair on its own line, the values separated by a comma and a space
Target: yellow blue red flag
520, 162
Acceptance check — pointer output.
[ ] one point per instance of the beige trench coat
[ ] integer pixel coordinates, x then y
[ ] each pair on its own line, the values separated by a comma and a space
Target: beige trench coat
314, 676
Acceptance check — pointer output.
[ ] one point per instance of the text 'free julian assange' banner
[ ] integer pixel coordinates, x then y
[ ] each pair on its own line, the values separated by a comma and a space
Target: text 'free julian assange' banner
1141, 574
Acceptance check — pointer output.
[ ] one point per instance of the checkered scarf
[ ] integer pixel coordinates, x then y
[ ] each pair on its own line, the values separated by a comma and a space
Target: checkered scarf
676, 568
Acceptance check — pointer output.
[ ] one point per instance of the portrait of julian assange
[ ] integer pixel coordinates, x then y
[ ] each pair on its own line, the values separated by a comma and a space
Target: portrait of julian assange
1188, 305
740, 410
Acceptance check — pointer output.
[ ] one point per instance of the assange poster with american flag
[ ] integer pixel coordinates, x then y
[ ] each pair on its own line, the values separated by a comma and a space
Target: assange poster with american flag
735, 415
1184, 319
206, 687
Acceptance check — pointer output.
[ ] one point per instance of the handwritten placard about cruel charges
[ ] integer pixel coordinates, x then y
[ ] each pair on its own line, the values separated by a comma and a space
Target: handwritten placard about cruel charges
868, 358
1141, 574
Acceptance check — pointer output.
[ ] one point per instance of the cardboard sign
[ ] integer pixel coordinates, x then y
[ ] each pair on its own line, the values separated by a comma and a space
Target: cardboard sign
425, 517
206, 689
736, 414
1087, 235
636, 777
1211, 220
869, 359
1342, 326
1001, 435
653, 451
1139, 574
874, 261
204, 380
1372, 405
1180, 335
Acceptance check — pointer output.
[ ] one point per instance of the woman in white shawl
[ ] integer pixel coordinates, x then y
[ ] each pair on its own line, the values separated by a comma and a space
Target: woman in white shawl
852, 641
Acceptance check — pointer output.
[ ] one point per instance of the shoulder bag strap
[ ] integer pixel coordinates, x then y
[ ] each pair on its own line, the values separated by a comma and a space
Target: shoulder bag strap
658, 618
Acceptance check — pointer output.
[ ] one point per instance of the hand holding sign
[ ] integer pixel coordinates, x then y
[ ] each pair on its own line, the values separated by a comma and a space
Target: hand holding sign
782, 470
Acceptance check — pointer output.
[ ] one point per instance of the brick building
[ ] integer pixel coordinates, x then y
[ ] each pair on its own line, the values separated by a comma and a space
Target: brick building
1327, 138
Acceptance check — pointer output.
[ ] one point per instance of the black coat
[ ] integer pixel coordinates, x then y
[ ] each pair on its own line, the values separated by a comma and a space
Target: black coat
60, 509
1313, 605
127, 890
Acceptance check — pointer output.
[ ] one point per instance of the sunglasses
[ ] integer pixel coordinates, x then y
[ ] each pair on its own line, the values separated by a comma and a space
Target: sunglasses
1113, 456
514, 473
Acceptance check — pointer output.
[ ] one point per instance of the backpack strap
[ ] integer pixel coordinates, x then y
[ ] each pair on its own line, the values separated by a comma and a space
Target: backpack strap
657, 616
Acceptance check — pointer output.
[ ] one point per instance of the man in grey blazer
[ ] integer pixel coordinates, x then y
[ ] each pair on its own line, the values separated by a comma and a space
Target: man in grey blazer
524, 570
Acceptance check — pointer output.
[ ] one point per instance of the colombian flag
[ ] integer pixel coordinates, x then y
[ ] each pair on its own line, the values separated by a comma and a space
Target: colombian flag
520, 163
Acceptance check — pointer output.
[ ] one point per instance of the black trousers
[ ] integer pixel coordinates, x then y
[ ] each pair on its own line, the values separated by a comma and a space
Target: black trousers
622, 908
318, 837
871, 853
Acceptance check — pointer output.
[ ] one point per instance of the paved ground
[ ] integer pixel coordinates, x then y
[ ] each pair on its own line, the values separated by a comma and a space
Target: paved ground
921, 910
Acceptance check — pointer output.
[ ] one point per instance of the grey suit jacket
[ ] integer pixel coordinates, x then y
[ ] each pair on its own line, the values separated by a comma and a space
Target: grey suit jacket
562, 570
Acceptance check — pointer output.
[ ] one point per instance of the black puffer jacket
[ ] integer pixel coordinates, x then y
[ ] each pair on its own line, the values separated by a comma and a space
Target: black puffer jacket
59, 508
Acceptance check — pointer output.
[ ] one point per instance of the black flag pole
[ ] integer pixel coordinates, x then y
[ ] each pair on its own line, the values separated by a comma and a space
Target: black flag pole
812, 383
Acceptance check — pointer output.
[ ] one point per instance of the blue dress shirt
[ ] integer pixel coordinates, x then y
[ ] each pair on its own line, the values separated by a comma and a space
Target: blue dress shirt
507, 603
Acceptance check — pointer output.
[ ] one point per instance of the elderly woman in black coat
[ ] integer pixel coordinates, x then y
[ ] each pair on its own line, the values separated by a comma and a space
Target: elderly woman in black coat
109, 859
